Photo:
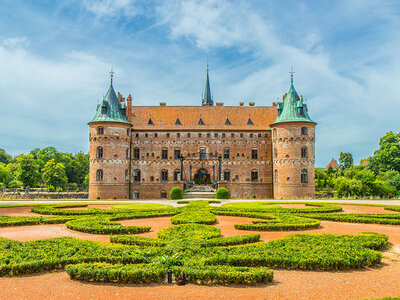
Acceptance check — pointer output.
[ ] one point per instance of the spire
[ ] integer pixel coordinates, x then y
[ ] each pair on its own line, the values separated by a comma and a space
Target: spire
207, 98
111, 75
291, 75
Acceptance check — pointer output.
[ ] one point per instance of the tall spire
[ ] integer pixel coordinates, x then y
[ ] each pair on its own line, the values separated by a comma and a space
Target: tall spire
207, 98
111, 75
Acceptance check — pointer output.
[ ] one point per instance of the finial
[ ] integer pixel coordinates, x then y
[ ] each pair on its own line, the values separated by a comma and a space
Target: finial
207, 63
111, 74
291, 74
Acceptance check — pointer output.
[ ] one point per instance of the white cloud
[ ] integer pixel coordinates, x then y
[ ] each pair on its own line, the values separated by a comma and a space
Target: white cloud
17, 41
103, 8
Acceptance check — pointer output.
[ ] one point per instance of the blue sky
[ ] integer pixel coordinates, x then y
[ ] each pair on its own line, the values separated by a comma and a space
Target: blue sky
55, 57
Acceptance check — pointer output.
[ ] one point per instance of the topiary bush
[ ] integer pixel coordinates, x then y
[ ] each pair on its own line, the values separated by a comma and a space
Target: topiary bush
222, 193
176, 193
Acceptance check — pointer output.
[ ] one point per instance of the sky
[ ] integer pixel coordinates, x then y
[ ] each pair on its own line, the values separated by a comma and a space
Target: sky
55, 58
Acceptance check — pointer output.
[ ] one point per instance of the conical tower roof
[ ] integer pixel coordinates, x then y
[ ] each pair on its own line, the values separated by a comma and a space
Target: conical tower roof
110, 109
292, 109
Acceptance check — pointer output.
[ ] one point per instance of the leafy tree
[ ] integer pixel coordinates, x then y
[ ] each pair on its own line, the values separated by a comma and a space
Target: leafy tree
54, 176
345, 160
5, 158
44, 155
27, 170
5, 174
387, 157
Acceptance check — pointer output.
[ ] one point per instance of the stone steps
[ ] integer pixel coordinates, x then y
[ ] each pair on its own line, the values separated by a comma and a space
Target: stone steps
199, 195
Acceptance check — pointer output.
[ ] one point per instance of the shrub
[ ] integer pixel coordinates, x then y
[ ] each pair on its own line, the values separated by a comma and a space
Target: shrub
232, 240
103, 272
137, 240
222, 193
176, 193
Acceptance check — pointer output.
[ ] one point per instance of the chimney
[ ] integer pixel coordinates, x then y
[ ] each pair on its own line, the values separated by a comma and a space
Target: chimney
129, 107
163, 104
219, 104
241, 103
251, 103
301, 98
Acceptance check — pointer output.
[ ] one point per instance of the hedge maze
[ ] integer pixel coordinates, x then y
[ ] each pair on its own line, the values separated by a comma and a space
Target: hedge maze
192, 247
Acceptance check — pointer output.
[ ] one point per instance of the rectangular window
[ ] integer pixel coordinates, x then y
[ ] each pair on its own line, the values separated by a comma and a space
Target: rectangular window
241, 135
136, 153
208, 134
215, 134
178, 135
227, 153
177, 154
254, 176
227, 175
199, 135
164, 175
135, 195
223, 135
168, 135
251, 135
254, 154
176, 175
151, 178
232, 135
164, 153
100, 130
304, 152
146, 135
156, 135
202, 153
304, 130
137, 135
136, 175
188, 135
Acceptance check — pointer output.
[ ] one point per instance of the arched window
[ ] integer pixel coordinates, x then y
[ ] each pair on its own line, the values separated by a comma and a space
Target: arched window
254, 176
275, 153
304, 130
304, 152
164, 175
126, 175
163, 195
127, 153
99, 175
274, 132
177, 153
135, 195
304, 176
99, 152
100, 130
227, 175
276, 175
136, 175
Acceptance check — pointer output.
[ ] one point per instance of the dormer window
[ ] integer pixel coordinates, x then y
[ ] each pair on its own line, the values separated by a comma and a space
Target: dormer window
227, 122
250, 122
177, 122
104, 110
201, 122
150, 122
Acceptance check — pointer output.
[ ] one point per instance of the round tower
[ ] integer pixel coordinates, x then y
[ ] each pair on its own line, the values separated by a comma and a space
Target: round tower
109, 154
293, 143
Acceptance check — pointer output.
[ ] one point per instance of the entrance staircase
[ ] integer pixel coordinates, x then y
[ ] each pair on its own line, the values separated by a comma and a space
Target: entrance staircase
200, 192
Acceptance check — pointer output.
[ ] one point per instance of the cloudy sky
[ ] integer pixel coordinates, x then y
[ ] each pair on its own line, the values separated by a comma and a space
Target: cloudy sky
55, 57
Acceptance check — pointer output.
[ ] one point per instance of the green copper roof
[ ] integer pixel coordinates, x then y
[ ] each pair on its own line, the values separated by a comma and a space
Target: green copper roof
292, 109
207, 99
110, 109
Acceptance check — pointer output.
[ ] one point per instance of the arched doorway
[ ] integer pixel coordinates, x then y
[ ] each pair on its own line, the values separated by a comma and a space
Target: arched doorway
202, 177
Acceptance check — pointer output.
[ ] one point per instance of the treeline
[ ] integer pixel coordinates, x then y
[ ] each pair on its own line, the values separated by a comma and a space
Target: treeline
46, 168
375, 176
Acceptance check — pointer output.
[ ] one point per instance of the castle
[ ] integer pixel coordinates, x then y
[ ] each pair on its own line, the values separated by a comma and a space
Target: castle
256, 152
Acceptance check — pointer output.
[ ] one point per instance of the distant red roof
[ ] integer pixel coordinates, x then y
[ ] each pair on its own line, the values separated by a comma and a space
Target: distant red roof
333, 164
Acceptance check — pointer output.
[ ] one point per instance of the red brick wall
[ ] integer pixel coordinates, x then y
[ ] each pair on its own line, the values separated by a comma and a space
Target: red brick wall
288, 142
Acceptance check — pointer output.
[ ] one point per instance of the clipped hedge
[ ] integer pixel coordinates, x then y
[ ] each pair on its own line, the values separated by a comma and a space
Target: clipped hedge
104, 272
103, 225
137, 240
195, 212
188, 201
224, 275
23, 221
306, 252
269, 207
232, 240
189, 231
176, 193
222, 193
384, 219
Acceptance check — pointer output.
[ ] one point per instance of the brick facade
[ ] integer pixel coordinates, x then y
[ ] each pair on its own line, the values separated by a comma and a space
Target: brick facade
232, 146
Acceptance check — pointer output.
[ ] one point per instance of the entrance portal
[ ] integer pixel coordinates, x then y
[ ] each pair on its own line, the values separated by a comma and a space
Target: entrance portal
202, 177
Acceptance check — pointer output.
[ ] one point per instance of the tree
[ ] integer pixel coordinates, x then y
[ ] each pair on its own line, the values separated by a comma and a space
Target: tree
387, 157
5, 158
44, 155
27, 170
54, 176
5, 174
345, 160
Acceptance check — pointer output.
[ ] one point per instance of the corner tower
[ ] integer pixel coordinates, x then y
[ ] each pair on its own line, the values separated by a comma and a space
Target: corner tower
293, 143
109, 139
